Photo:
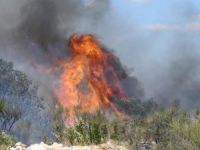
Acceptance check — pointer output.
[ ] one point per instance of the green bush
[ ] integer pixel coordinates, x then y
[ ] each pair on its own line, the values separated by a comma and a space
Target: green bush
194, 133
115, 134
87, 132
6, 140
96, 133
71, 136
170, 128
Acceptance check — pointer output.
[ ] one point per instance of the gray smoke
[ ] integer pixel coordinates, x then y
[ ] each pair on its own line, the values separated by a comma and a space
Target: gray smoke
33, 32
170, 71
46, 24
179, 79
166, 61
39, 29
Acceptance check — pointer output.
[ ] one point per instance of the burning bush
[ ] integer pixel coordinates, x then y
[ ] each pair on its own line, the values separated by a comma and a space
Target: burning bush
91, 76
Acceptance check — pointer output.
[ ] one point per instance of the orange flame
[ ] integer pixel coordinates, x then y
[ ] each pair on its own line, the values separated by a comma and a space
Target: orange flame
88, 81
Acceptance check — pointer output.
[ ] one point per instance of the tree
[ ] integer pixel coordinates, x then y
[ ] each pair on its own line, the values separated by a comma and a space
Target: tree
8, 116
18, 99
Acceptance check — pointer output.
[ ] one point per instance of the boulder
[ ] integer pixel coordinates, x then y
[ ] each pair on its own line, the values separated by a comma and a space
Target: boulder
56, 146
18, 146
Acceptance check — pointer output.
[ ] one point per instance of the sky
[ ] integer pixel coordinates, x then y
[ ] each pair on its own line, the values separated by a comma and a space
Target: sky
157, 40
154, 12
157, 19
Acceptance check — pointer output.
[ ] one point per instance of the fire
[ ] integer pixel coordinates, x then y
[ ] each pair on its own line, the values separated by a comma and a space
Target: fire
88, 80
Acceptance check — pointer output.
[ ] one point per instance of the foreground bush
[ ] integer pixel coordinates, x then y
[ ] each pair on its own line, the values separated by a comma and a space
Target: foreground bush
6, 141
88, 129
170, 129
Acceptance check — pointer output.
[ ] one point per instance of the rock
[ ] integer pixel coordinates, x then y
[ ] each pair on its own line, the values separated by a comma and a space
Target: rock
153, 143
79, 148
43, 146
12, 148
66, 148
36, 147
56, 146
18, 146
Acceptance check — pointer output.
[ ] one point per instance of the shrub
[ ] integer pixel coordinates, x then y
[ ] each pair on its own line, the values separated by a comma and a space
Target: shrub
6, 140
19, 103
115, 134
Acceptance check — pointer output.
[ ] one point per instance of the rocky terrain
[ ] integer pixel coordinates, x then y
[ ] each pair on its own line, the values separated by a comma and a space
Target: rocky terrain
56, 146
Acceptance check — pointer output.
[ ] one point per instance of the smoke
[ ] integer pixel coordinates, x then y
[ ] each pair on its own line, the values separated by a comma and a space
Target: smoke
38, 30
180, 76
47, 24
34, 32
164, 59
169, 70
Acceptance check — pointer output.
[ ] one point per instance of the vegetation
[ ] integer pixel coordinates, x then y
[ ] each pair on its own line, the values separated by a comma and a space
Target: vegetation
6, 140
89, 129
135, 106
141, 124
162, 128
19, 103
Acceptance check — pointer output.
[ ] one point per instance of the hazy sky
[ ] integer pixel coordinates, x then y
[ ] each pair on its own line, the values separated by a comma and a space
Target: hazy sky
160, 40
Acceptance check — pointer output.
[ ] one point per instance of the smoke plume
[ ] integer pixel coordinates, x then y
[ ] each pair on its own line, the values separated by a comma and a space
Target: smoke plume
33, 33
